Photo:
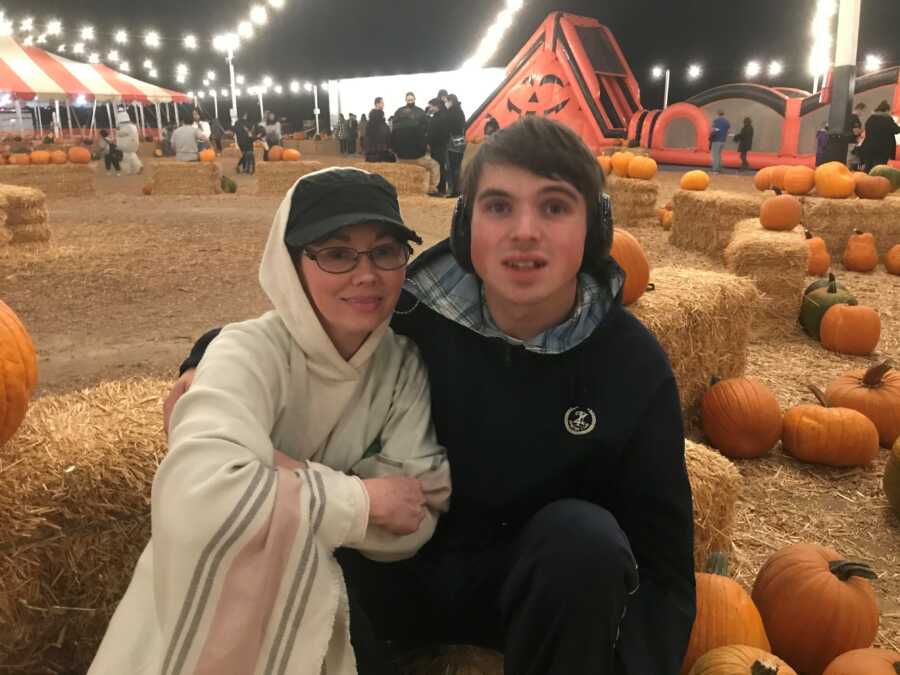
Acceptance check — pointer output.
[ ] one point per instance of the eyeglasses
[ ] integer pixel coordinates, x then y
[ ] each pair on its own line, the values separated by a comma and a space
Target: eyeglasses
343, 259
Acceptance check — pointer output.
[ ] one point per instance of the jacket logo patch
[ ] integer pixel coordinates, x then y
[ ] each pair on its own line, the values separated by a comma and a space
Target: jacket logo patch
580, 421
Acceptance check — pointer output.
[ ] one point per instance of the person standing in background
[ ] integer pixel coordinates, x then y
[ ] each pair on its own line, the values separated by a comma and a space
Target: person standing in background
352, 132
272, 130
456, 127
744, 139
717, 138
856, 134
340, 133
880, 145
363, 123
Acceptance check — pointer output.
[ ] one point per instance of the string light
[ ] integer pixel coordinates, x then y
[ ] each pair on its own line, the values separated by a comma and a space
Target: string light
125, 67
211, 75
258, 15
153, 73
873, 63
776, 68
87, 33
151, 39
54, 27
267, 81
78, 48
94, 58
753, 69
148, 64
62, 48
224, 92
28, 41
121, 37
190, 42
276, 4
489, 43
295, 86
695, 71
113, 55
245, 30
42, 39
278, 89
6, 27
27, 25
820, 55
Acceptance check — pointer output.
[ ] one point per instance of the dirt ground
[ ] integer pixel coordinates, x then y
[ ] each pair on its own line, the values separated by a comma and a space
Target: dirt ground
129, 281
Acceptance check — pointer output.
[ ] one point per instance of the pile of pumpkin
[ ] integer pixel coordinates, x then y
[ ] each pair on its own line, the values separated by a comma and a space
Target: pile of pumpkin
832, 180
628, 165
814, 611
279, 154
75, 155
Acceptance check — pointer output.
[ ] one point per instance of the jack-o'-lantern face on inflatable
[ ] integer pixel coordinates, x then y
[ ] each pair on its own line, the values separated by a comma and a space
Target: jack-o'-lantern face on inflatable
545, 95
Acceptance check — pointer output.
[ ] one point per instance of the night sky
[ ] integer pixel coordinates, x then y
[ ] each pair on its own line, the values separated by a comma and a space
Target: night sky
319, 39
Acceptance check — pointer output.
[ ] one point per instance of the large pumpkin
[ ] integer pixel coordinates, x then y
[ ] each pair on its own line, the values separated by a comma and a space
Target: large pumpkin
58, 157
889, 172
892, 260
822, 434
605, 162
779, 173
290, 155
18, 372
641, 167
725, 616
799, 180
815, 605
824, 295
207, 155
546, 95
780, 213
695, 180
875, 392
79, 155
847, 329
741, 417
275, 153
627, 251
20, 158
834, 180
819, 261
891, 481
861, 253
40, 157
872, 187
763, 179
870, 661
620, 162
740, 660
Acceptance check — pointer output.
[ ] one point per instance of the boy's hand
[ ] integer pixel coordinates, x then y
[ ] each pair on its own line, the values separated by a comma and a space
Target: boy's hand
396, 503
181, 386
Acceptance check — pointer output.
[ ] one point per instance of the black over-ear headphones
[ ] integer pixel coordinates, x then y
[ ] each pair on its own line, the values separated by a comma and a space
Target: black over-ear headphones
599, 230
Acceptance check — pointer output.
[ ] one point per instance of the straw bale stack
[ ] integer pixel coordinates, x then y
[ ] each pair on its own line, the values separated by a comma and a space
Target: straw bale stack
6, 234
407, 178
276, 178
835, 219
704, 221
702, 320
27, 218
715, 486
53, 179
186, 178
74, 517
633, 201
776, 261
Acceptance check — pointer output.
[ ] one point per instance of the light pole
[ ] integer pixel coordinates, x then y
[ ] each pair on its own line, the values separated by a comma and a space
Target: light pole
843, 81
215, 98
309, 86
658, 72
228, 43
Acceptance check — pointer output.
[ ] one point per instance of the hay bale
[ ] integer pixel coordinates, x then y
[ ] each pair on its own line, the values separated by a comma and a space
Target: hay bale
776, 261
74, 518
702, 320
23, 234
633, 201
53, 179
186, 178
276, 178
5, 235
704, 221
407, 178
715, 486
835, 219
26, 213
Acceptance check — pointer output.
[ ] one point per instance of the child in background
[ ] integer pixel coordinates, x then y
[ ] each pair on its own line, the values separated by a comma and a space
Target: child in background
111, 153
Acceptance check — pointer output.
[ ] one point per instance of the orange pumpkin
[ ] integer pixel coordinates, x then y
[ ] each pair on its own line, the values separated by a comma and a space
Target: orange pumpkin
147, 189
20, 158
291, 155
799, 180
740, 660
821, 434
861, 254
871, 187
819, 261
778, 175
18, 375
620, 162
781, 213
850, 329
892, 260
207, 155
815, 605
605, 163
725, 616
157, 153
741, 417
870, 661
275, 153
644, 168
834, 180
42, 157
58, 157
875, 392
2, 160
695, 180
79, 155
627, 251
763, 179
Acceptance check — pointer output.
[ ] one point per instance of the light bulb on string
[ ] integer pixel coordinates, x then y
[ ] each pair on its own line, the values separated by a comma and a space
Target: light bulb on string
113, 56
873, 63
258, 15
148, 64
54, 27
27, 25
6, 27
153, 73
224, 92
190, 42
87, 33
267, 81
776, 68
211, 75
240, 79
245, 30
152, 39
276, 4
294, 86
94, 58
78, 48
61, 49
753, 69
120, 37
279, 89
125, 67
42, 39
28, 41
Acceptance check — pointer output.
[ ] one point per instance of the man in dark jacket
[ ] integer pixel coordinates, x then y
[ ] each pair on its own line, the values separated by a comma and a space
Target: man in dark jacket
880, 145
410, 143
568, 544
438, 139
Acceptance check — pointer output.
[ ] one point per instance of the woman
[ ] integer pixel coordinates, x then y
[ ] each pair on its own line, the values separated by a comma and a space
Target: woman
244, 139
305, 430
363, 123
744, 139
880, 145
340, 133
378, 138
456, 125
272, 131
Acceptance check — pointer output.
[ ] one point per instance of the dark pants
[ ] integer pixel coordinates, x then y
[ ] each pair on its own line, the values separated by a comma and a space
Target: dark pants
744, 163
550, 596
439, 155
454, 169
111, 160
345, 144
351, 146
247, 162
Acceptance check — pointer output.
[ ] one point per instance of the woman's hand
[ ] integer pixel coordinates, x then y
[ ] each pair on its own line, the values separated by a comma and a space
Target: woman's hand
396, 503
181, 386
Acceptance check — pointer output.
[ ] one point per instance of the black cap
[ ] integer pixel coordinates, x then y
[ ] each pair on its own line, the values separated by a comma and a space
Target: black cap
326, 201
441, 93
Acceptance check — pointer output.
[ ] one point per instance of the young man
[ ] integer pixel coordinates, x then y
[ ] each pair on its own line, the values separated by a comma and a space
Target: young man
568, 544
717, 138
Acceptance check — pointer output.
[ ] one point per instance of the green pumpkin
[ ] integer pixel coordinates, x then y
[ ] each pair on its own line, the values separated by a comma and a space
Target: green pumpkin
819, 301
824, 282
888, 172
228, 185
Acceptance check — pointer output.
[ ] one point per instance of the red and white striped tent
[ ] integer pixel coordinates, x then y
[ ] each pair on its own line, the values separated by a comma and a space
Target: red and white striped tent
28, 73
